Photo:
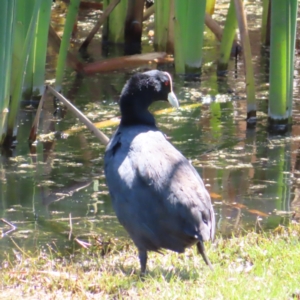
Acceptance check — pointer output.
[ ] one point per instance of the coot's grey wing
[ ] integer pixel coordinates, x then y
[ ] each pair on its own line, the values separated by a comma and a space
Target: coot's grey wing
180, 189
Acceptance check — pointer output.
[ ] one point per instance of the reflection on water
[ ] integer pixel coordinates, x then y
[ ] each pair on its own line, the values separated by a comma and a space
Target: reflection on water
59, 192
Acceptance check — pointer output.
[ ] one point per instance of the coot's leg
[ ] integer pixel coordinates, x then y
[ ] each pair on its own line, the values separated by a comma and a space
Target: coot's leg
143, 260
201, 250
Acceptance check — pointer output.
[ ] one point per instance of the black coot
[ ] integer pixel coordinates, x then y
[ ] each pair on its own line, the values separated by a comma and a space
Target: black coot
156, 193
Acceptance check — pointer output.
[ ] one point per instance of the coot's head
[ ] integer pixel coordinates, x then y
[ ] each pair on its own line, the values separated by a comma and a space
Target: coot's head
140, 91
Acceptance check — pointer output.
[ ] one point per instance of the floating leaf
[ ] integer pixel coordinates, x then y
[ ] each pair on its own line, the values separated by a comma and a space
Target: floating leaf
283, 212
215, 196
258, 212
238, 205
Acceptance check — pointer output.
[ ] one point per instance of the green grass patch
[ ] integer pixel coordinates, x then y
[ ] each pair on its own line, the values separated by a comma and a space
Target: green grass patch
254, 266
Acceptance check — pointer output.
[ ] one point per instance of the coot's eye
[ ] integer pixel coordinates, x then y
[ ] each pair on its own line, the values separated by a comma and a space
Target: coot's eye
167, 83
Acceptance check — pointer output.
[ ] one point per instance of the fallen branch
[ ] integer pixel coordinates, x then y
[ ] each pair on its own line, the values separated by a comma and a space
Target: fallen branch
101, 136
12, 227
131, 61
82, 243
87, 5
213, 26
149, 11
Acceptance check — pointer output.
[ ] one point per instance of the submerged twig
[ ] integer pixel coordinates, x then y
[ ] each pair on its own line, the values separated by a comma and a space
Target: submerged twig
130, 61
66, 191
71, 226
257, 224
238, 218
82, 243
101, 136
19, 248
12, 227
35, 124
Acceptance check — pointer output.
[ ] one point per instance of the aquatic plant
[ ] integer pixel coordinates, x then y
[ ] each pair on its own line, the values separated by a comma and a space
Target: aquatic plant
282, 52
16, 52
228, 35
189, 30
178, 25
113, 30
7, 15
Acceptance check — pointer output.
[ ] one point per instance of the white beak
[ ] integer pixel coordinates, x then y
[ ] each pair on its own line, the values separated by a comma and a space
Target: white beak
173, 99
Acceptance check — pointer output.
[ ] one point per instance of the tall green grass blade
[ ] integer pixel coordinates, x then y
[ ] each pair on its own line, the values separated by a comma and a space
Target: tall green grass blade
193, 35
158, 15
3, 53
116, 23
292, 17
3, 68
162, 14
166, 19
264, 23
65, 42
227, 37
11, 5
210, 6
278, 61
7, 18
40, 48
25, 18
19, 36
171, 37
188, 31
17, 88
179, 30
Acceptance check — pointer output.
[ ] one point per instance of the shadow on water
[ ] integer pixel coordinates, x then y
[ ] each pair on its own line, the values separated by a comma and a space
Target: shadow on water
60, 191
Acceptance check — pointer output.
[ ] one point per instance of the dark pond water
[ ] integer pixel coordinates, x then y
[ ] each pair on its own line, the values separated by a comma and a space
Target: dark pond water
253, 177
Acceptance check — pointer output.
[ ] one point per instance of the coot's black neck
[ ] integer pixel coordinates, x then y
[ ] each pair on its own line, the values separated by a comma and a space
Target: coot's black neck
134, 111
